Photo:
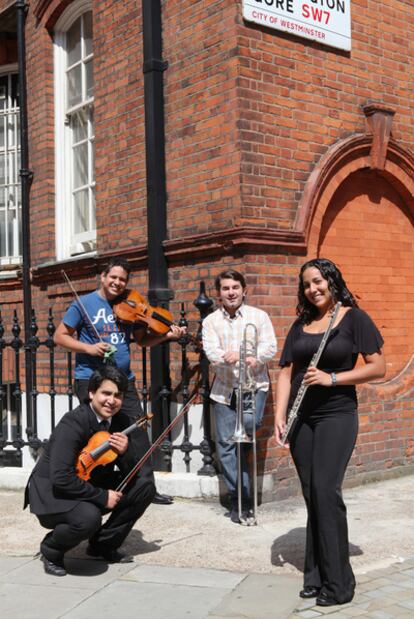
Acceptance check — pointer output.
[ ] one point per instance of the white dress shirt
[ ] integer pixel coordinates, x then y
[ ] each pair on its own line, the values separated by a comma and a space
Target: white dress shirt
222, 333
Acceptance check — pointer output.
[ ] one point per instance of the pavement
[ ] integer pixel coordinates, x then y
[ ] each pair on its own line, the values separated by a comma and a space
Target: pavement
192, 562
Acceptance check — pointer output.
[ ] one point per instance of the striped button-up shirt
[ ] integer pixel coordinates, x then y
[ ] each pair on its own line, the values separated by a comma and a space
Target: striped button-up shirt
221, 334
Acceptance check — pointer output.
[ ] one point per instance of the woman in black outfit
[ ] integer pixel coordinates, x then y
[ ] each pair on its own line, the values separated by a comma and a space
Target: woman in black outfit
324, 437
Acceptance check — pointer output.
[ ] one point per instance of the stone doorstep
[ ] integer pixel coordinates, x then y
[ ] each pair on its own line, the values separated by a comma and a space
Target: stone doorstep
183, 485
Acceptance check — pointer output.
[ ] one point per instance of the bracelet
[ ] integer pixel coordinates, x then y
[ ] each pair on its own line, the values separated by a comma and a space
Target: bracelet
333, 379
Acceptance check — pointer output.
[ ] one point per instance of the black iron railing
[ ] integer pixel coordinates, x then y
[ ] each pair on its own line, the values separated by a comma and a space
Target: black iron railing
19, 427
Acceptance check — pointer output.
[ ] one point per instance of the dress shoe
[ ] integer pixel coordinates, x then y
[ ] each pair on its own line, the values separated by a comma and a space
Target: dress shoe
111, 555
54, 569
309, 592
162, 499
234, 515
246, 517
324, 600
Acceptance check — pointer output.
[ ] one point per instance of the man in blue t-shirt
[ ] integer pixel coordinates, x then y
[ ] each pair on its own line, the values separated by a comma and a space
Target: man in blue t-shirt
90, 329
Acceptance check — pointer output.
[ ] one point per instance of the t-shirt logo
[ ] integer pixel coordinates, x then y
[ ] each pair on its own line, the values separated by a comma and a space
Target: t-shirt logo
101, 315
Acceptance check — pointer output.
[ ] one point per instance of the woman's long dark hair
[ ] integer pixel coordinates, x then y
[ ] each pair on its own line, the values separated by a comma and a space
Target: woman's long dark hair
336, 284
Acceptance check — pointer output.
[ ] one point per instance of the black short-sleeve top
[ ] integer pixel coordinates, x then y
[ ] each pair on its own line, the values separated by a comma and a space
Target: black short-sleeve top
355, 333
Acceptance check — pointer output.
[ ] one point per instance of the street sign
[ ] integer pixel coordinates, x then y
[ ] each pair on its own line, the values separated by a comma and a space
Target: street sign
324, 21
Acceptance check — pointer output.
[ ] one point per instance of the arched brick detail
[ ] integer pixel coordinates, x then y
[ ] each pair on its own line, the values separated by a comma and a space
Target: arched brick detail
344, 159
341, 160
48, 11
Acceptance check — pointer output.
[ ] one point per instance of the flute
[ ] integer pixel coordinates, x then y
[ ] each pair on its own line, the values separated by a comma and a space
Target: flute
293, 413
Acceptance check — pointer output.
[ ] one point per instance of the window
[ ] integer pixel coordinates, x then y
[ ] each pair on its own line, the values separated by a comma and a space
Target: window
75, 170
10, 200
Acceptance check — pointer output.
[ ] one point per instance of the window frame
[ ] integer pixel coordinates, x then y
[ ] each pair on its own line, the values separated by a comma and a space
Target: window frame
10, 260
69, 244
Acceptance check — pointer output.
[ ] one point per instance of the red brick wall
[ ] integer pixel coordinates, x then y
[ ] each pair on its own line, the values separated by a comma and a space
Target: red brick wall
202, 116
298, 98
120, 133
249, 113
368, 232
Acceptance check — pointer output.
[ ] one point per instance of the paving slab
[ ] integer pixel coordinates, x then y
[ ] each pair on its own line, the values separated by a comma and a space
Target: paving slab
82, 574
185, 576
260, 596
8, 564
127, 600
35, 601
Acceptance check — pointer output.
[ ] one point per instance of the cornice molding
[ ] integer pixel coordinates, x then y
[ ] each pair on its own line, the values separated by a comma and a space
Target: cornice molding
86, 266
234, 241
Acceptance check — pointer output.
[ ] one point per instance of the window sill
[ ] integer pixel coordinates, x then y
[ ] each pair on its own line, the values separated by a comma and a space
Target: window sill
83, 264
9, 273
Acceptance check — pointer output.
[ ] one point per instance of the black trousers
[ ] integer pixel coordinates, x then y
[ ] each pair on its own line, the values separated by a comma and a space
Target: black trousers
321, 447
131, 406
84, 521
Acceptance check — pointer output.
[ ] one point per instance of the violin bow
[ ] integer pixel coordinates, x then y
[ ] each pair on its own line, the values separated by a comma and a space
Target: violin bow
112, 350
157, 442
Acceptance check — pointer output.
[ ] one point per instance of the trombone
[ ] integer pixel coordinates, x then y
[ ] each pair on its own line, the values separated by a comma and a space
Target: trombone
246, 403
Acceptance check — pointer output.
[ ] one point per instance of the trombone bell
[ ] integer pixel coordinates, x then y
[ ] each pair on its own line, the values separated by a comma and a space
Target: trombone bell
240, 436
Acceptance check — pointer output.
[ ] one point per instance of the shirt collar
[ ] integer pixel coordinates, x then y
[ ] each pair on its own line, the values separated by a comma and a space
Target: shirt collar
239, 312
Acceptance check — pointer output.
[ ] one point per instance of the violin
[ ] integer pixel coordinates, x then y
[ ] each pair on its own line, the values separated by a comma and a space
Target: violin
132, 307
98, 450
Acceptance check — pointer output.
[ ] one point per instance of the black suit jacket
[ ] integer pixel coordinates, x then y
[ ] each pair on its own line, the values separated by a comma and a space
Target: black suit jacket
53, 486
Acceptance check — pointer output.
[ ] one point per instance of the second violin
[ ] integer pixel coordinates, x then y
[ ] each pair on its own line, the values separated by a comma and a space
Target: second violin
132, 307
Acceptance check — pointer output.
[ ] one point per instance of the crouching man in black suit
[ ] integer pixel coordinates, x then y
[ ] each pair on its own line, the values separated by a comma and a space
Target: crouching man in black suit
73, 508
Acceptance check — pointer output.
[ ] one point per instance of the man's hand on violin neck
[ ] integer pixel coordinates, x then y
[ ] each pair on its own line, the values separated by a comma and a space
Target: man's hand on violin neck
176, 332
113, 499
118, 442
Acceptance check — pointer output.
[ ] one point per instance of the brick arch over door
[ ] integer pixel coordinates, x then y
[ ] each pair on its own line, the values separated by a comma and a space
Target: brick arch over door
388, 193
368, 231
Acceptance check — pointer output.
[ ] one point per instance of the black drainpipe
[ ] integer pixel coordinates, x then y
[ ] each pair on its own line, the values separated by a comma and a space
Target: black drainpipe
25, 179
158, 294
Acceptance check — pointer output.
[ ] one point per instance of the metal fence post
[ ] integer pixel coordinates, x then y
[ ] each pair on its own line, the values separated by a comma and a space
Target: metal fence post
204, 305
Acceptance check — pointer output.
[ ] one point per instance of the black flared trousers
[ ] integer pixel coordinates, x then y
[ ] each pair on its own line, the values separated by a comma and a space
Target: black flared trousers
321, 448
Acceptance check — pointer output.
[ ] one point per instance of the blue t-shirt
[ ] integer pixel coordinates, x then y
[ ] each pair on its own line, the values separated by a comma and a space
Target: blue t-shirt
102, 316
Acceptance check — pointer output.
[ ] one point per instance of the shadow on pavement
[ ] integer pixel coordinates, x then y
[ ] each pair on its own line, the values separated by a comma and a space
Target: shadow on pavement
290, 548
85, 567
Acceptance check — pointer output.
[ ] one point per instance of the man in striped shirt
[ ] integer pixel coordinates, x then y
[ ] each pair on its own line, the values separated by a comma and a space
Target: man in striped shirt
223, 334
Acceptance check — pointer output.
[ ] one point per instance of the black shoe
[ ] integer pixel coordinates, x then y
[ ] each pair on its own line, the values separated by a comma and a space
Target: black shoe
324, 600
234, 515
54, 569
309, 592
111, 555
162, 499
